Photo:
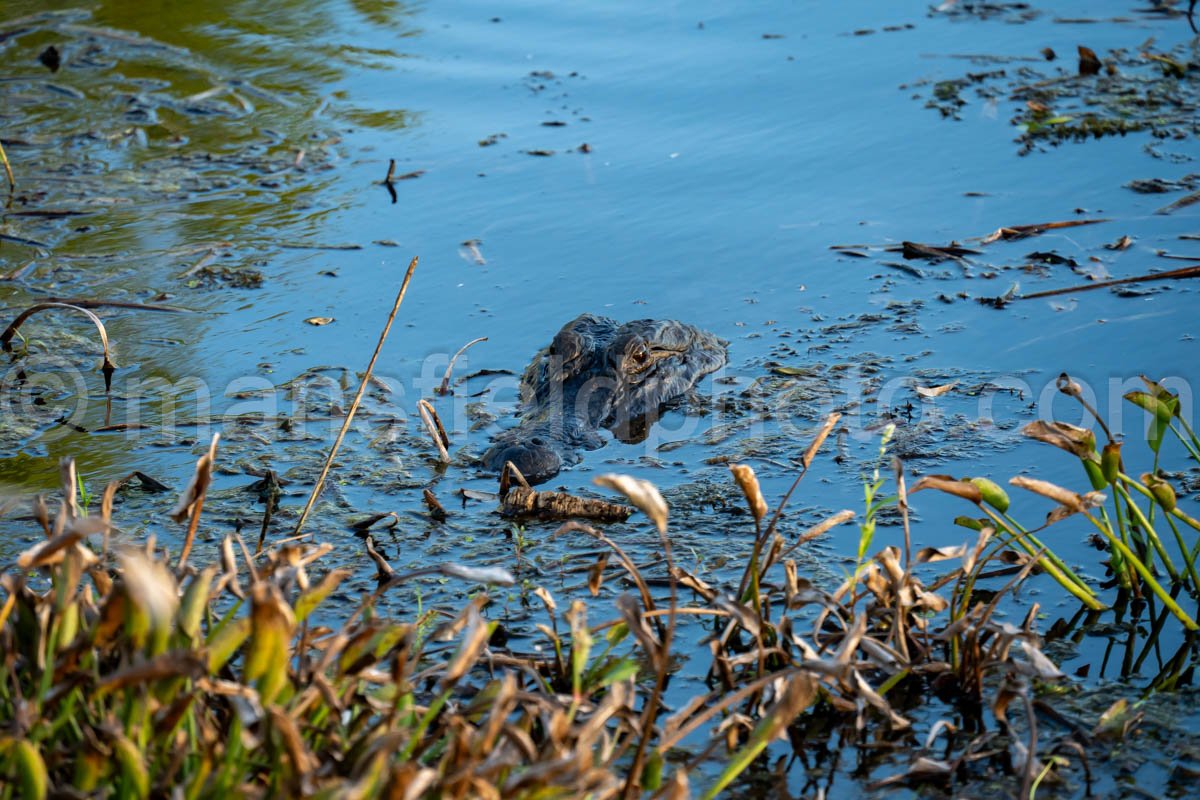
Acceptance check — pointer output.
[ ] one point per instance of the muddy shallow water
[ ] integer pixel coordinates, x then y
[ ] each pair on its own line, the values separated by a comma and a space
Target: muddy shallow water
742, 168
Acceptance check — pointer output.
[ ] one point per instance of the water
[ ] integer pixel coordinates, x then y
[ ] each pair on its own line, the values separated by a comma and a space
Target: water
728, 147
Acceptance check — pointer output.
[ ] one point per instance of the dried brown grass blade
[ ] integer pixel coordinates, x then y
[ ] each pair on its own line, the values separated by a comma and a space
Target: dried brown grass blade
433, 424
12, 181
191, 502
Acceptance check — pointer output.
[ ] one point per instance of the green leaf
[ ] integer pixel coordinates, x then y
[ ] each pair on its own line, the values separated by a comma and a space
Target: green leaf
992, 494
195, 600
652, 772
225, 642
614, 671
308, 601
617, 633
31, 769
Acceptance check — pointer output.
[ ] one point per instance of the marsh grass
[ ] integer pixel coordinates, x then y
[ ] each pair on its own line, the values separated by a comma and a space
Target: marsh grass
122, 676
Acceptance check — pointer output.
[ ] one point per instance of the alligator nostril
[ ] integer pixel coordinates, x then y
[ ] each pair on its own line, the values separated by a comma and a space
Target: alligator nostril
538, 441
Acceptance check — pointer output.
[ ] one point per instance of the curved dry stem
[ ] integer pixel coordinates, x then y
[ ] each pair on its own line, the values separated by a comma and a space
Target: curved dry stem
107, 367
433, 424
662, 666
444, 389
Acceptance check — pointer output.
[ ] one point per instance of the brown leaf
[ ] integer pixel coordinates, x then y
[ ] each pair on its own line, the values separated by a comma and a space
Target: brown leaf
744, 477
181, 664
964, 489
1064, 497
303, 760
198, 485
1089, 64
931, 554
1080, 442
596, 574
319, 321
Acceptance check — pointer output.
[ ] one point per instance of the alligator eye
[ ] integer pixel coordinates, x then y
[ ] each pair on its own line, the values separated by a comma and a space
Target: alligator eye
641, 355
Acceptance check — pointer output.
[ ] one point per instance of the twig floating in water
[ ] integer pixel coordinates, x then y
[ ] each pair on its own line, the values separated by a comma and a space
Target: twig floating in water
1183, 272
304, 246
1024, 231
1182, 202
362, 387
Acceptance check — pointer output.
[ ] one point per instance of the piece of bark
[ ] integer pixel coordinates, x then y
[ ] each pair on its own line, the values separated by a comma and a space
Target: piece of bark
523, 501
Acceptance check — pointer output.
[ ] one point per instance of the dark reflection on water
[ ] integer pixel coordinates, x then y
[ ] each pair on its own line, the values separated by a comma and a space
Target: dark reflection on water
177, 145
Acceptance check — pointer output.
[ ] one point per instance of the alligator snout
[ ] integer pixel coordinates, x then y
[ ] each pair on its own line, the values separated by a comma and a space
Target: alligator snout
537, 462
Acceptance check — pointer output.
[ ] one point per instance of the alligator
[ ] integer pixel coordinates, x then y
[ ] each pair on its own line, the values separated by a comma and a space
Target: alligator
601, 374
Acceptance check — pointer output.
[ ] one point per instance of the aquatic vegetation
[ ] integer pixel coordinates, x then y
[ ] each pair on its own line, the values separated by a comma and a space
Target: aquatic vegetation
124, 672
1138, 557
1130, 91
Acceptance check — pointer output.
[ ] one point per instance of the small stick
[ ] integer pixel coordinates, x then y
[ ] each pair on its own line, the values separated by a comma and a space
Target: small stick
1183, 272
312, 498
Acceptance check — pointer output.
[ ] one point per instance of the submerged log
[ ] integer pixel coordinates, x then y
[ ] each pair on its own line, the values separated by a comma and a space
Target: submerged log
523, 501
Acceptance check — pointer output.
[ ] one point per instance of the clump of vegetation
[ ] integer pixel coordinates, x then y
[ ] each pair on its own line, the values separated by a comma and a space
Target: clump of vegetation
129, 673
1129, 91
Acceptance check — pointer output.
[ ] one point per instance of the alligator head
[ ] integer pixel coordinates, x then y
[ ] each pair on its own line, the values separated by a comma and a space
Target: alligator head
599, 374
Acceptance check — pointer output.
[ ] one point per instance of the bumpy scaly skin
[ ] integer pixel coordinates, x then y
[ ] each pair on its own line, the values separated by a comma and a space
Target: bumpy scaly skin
598, 373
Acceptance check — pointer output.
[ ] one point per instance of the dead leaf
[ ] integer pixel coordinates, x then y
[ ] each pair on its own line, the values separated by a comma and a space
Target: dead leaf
746, 480
1080, 442
641, 493
1089, 64
319, 321
935, 391
964, 489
